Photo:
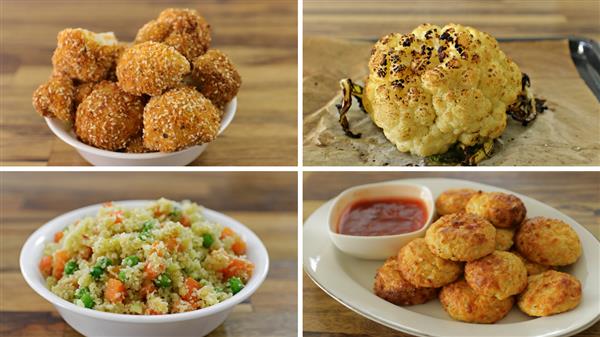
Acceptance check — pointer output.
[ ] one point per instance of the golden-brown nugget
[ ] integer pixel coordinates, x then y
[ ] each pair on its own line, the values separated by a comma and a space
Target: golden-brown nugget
82, 91
500, 274
550, 242
183, 29
424, 269
55, 99
532, 267
501, 209
461, 237
109, 117
179, 118
504, 238
84, 55
217, 77
463, 304
549, 293
150, 68
453, 200
393, 287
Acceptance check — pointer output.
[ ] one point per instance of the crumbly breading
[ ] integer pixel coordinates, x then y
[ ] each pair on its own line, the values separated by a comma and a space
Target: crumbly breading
422, 268
500, 274
84, 55
546, 241
549, 293
109, 117
504, 238
501, 209
532, 267
56, 98
453, 200
183, 29
216, 77
461, 237
437, 86
393, 287
463, 304
150, 68
179, 118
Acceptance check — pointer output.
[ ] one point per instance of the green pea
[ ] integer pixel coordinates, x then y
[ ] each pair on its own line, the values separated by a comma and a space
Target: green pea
82, 291
131, 261
163, 281
104, 262
122, 276
235, 284
207, 240
71, 267
87, 300
146, 228
96, 272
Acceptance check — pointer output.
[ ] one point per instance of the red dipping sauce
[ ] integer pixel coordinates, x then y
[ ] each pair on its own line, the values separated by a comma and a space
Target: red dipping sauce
386, 216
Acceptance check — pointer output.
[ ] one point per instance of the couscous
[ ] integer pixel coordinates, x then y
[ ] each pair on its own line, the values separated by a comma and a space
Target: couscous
163, 258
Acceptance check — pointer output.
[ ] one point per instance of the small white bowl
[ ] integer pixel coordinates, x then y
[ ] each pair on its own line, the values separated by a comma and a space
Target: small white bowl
91, 322
101, 157
377, 247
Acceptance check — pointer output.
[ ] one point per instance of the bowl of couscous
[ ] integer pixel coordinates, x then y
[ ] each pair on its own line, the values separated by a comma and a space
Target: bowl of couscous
144, 268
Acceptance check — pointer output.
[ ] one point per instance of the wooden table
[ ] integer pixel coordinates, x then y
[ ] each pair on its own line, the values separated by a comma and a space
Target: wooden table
265, 202
259, 36
506, 18
577, 194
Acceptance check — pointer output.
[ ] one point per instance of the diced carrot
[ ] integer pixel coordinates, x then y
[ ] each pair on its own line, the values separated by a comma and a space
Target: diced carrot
85, 252
58, 236
59, 260
46, 265
114, 291
147, 288
185, 221
157, 212
155, 249
239, 268
152, 272
152, 312
227, 232
191, 286
172, 244
239, 247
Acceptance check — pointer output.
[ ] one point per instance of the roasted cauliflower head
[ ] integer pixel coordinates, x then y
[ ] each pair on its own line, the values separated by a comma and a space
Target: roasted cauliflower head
438, 86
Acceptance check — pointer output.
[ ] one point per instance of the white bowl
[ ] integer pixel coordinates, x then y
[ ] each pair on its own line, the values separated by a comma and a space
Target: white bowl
101, 157
91, 322
377, 247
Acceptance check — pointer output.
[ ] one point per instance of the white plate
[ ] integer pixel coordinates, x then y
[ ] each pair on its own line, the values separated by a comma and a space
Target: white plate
350, 281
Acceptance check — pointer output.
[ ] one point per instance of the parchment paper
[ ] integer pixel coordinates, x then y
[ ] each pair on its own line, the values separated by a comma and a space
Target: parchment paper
566, 134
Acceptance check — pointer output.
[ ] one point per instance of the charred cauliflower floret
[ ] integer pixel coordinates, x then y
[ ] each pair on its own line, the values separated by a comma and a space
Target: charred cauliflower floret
439, 86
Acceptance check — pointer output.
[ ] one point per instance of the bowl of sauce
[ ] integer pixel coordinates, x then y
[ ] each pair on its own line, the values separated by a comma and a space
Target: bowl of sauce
374, 221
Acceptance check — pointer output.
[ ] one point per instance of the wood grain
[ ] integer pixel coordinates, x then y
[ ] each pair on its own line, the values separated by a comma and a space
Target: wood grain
265, 202
577, 194
259, 36
501, 18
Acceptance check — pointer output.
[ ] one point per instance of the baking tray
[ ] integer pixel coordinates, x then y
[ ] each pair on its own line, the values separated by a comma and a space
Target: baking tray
585, 54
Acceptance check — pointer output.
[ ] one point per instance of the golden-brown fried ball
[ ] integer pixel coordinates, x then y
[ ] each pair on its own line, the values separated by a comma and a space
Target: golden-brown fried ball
424, 269
183, 29
84, 55
55, 99
463, 304
393, 287
500, 274
453, 200
150, 68
217, 77
501, 209
461, 237
532, 267
179, 118
82, 91
504, 238
109, 117
550, 242
550, 293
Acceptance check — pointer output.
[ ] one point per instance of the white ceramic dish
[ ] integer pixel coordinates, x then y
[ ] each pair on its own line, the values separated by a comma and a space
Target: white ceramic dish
101, 157
350, 281
91, 322
376, 247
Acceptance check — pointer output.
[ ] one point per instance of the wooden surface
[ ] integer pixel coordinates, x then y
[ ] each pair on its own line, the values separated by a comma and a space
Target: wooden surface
265, 202
577, 194
259, 36
501, 18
